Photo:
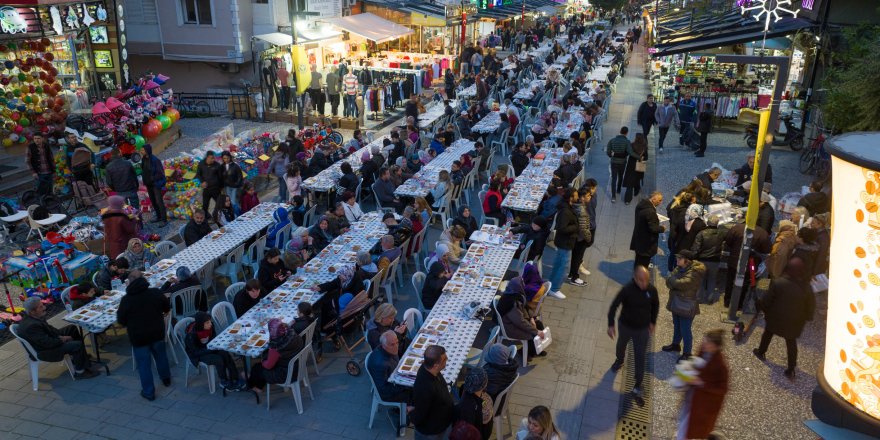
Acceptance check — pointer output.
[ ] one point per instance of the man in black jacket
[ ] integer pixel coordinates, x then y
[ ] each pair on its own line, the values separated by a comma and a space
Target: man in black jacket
53, 344
638, 316
433, 405
211, 175
645, 115
815, 201
707, 248
122, 178
196, 228
142, 311
40, 160
646, 229
566, 235
744, 173
153, 175
233, 179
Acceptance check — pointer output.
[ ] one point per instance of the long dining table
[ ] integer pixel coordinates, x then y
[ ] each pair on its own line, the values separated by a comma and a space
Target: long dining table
529, 187
451, 322
426, 179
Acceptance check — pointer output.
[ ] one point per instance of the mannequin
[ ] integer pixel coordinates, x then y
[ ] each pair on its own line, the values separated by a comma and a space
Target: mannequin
269, 79
315, 92
350, 88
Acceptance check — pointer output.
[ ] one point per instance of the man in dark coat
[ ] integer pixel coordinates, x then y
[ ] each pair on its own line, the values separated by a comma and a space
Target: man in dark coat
197, 228
733, 243
39, 159
52, 344
645, 115
153, 175
788, 306
122, 179
434, 408
646, 229
233, 178
210, 175
640, 305
383, 362
142, 311
815, 201
744, 173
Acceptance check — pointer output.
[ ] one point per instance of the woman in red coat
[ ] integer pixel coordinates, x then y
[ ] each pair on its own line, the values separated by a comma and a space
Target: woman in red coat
703, 401
119, 228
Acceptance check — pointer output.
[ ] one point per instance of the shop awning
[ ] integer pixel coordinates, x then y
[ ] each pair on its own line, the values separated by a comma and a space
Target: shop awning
305, 35
276, 39
370, 26
745, 34
549, 10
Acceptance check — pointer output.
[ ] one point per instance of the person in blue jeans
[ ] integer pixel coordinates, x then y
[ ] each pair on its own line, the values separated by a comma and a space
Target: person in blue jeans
566, 235
142, 311
684, 284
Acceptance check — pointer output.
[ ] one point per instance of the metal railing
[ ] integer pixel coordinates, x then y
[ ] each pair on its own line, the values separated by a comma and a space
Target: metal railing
203, 105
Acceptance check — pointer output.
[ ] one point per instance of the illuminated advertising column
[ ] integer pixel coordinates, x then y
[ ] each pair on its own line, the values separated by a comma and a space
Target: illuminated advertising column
849, 382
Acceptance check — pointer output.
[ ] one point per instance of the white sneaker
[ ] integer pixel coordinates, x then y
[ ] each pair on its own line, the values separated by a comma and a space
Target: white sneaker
576, 281
556, 294
583, 270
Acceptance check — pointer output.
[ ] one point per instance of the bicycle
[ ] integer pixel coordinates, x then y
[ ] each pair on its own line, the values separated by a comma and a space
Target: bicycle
190, 107
815, 160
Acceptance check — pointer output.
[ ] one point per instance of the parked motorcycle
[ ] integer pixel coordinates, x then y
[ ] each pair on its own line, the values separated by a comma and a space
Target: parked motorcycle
794, 137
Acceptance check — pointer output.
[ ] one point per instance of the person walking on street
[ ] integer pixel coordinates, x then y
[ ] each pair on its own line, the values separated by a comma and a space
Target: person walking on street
632, 176
233, 179
210, 174
705, 396
704, 126
142, 311
42, 164
646, 229
433, 407
639, 306
618, 150
567, 227
122, 179
590, 187
278, 168
687, 115
333, 89
646, 115
666, 117
684, 283
787, 306
153, 175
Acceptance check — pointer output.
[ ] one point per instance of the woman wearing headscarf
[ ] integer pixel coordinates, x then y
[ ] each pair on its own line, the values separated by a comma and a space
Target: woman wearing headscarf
518, 323
320, 234
282, 219
534, 287
137, 256
467, 221
368, 170
284, 345
783, 246
119, 228
632, 179
693, 224
198, 335
318, 163
298, 250
476, 405
438, 275
414, 165
424, 157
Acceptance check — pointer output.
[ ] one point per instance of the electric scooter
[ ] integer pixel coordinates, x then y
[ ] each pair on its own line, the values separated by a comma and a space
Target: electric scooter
794, 137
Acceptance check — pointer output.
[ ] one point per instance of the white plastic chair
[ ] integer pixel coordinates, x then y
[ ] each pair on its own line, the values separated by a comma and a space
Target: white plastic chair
254, 254
233, 290
294, 385
165, 249
389, 279
523, 342
308, 336
65, 299
233, 265
520, 262
377, 401
34, 360
418, 282
188, 298
484, 218
180, 233
223, 314
502, 142
39, 225
501, 409
477, 357
180, 337
206, 276
413, 320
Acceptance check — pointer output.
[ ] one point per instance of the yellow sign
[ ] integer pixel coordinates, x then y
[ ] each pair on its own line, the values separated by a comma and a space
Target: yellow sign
754, 194
168, 172
301, 67
189, 175
426, 20
263, 157
249, 161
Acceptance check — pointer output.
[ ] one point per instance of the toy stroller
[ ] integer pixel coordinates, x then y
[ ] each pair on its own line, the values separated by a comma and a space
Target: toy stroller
352, 319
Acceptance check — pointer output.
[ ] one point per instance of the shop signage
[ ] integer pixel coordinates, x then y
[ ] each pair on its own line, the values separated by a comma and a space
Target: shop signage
456, 11
18, 20
326, 8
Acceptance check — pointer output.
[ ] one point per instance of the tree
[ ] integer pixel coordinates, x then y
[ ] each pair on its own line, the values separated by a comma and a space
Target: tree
853, 101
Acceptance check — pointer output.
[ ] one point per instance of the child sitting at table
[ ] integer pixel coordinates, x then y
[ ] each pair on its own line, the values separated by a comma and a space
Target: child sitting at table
198, 335
82, 294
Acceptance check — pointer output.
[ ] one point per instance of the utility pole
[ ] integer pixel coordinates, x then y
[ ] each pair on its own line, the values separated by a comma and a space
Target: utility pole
297, 8
782, 68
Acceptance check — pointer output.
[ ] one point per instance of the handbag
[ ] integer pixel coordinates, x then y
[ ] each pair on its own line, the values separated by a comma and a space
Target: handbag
682, 306
641, 166
542, 344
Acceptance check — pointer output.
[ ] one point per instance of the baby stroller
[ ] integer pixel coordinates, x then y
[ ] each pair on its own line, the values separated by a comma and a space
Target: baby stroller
351, 320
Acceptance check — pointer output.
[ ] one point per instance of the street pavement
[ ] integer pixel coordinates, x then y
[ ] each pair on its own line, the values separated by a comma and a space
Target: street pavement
573, 380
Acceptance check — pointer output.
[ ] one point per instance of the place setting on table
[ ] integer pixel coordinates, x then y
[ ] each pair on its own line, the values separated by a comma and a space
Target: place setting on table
529, 187
426, 179
456, 318
488, 123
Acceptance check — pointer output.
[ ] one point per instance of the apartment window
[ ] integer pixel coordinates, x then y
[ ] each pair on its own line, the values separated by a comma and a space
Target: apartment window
196, 11
261, 2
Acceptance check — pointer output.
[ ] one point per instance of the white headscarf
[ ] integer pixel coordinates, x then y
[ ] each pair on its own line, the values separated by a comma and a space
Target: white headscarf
693, 212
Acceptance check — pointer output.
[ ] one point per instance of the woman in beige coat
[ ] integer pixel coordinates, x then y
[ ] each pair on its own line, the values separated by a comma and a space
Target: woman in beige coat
783, 247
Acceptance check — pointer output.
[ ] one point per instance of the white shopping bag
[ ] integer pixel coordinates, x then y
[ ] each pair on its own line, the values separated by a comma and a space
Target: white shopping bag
542, 344
819, 283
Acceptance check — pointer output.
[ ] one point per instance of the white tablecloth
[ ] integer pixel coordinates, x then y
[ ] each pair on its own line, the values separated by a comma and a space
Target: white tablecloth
432, 113
564, 129
426, 179
99, 314
488, 124
483, 265
528, 93
599, 74
529, 187
327, 179
248, 335
469, 92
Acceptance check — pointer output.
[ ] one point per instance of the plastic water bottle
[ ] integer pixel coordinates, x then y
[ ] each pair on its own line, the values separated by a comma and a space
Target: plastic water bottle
115, 284
146, 266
